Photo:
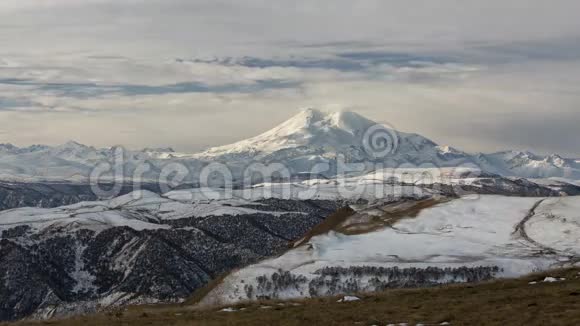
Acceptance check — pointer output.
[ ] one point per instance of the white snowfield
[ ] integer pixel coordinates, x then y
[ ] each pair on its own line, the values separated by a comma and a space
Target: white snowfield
508, 232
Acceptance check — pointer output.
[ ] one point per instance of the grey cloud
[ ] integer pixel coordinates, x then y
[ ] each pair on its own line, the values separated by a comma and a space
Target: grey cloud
394, 58
8, 103
561, 49
344, 61
89, 90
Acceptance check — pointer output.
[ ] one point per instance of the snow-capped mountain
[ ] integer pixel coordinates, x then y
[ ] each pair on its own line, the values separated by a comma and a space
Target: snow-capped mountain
313, 137
529, 165
312, 132
75, 162
300, 143
9, 149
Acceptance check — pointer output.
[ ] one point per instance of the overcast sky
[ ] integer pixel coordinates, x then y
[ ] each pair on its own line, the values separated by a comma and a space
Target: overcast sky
477, 75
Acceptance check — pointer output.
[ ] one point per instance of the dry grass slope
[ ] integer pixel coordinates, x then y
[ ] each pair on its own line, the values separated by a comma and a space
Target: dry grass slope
361, 223
329, 224
501, 302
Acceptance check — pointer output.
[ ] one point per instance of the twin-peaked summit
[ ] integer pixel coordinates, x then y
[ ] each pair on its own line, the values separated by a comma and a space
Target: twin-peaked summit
308, 128
313, 132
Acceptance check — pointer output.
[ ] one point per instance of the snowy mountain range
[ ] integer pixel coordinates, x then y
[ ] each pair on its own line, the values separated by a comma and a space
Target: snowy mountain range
66, 250
309, 138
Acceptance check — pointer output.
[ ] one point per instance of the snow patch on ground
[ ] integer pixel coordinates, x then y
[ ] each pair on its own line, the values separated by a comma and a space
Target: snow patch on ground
349, 298
85, 280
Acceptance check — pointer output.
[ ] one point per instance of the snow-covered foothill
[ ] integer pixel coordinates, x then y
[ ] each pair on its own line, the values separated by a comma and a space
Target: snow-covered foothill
494, 236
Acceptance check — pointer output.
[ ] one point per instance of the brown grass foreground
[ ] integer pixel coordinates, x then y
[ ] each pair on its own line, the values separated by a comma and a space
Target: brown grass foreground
502, 302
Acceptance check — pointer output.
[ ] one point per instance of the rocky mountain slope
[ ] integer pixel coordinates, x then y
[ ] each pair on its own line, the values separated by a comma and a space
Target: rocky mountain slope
139, 248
